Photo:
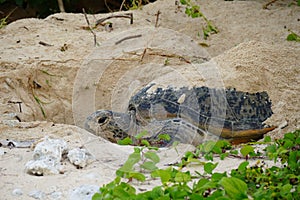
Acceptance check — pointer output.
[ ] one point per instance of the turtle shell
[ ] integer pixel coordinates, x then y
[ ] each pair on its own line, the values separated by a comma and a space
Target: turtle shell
224, 112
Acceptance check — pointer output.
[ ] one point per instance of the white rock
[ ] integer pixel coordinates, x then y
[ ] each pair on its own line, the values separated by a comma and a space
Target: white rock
44, 166
50, 147
2, 152
84, 192
17, 192
37, 194
55, 195
10, 123
46, 158
80, 157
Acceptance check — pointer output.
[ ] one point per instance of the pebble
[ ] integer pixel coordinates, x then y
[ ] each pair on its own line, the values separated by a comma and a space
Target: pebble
80, 157
83, 192
37, 194
17, 192
2, 152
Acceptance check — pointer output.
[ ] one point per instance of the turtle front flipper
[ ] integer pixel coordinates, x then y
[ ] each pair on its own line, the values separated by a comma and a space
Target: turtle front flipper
180, 131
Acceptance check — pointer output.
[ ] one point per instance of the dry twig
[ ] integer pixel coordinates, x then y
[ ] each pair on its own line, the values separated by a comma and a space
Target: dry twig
127, 15
269, 3
61, 5
128, 38
157, 18
90, 27
122, 4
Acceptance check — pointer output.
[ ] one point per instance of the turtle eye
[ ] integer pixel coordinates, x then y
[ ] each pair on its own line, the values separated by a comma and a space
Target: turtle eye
101, 120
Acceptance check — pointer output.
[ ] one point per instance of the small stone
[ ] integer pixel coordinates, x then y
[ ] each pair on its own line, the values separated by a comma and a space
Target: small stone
17, 192
55, 195
50, 147
2, 152
80, 157
84, 192
37, 194
46, 166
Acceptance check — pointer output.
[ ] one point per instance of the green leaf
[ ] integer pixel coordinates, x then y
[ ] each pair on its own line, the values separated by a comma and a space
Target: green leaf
234, 187
209, 156
163, 174
137, 175
148, 165
153, 148
243, 166
188, 11
267, 139
183, 2
223, 144
125, 141
209, 146
137, 150
141, 135
204, 184
293, 37
245, 150
124, 190
145, 143
218, 176
223, 156
164, 137
285, 190
209, 167
189, 154
152, 156
234, 152
217, 149
128, 165
97, 196
293, 161
288, 143
290, 136
182, 177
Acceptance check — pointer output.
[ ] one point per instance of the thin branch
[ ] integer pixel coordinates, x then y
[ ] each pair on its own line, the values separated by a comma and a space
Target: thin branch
61, 5
128, 38
157, 18
127, 15
143, 55
269, 3
107, 6
90, 27
122, 4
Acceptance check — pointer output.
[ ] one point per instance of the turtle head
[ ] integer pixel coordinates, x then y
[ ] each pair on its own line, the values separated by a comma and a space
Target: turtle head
108, 124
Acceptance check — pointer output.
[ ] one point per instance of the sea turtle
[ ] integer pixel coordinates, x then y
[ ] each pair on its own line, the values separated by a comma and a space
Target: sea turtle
188, 115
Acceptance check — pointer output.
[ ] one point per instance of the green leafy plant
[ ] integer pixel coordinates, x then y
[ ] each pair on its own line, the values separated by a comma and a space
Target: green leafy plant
293, 37
3, 21
134, 4
244, 182
141, 140
193, 10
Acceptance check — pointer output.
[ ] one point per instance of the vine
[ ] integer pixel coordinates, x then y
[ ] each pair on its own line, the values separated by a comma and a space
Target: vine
244, 182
